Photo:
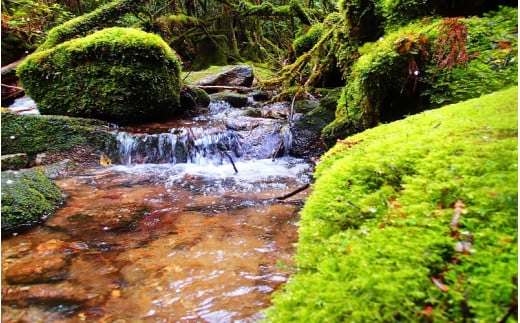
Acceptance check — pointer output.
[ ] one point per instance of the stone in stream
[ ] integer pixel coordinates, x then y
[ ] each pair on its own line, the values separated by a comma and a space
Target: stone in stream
49, 262
50, 294
241, 75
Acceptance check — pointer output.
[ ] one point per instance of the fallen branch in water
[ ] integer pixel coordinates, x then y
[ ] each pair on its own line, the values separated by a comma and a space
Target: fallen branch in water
296, 191
231, 160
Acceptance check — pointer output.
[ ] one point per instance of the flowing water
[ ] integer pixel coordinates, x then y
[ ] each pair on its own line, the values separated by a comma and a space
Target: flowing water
184, 226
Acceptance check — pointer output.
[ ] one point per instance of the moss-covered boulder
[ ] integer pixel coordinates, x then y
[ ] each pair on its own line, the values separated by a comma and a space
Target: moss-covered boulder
28, 197
33, 134
413, 221
121, 75
307, 141
425, 65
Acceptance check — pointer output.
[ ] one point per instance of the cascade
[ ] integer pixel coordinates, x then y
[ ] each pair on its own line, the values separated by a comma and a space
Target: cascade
214, 138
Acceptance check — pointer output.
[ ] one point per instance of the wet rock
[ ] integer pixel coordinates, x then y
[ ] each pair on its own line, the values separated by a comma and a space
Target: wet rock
241, 75
14, 161
307, 138
49, 261
28, 197
38, 269
235, 99
44, 294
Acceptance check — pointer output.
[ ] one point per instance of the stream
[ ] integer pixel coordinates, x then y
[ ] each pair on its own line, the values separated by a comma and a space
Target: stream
184, 225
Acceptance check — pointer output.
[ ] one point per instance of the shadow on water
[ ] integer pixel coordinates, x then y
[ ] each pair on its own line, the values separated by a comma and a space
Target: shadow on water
172, 241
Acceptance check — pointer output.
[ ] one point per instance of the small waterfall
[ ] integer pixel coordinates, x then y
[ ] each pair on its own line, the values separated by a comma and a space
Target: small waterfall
184, 145
209, 139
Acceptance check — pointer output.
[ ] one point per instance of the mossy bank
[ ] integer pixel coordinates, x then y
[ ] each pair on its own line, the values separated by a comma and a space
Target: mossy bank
413, 221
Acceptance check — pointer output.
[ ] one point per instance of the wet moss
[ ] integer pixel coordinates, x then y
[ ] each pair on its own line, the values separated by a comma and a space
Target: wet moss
121, 75
28, 197
33, 134
380, 235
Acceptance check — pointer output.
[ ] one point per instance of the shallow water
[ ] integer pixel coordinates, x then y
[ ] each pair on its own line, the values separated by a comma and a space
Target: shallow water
164, 243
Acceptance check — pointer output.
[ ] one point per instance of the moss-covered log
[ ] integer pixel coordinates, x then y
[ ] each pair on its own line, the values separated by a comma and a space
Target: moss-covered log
121, 75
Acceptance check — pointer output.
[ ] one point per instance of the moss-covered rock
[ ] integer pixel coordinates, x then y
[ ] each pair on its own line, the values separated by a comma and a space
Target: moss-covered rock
122, 75
237, 100
416, 220
14, 161
32, 134
423, 66
307, 141
28, 197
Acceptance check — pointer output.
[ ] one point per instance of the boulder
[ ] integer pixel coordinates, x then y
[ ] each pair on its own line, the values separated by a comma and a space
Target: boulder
240, 75
120, 75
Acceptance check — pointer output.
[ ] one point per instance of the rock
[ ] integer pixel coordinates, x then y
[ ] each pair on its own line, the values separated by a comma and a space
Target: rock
28, 197
235, 99
120, 75
241, 75
38, 268
14, 161
46, 294
307, 131
193, 98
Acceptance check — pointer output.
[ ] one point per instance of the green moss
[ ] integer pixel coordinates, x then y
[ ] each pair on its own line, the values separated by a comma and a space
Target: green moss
400, 74
121, 75
14, 161
306, 41
377, 226
28, 197
32, 134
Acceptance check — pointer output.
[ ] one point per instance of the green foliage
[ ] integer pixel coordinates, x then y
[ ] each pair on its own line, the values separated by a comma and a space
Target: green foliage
121, 75
28, 197
378, 236
35, 134
306, 41
25, 24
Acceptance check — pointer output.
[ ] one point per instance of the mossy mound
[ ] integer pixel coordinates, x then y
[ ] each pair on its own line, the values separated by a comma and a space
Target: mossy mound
425, 65
412, 221
121, 75
32, 134
28, 197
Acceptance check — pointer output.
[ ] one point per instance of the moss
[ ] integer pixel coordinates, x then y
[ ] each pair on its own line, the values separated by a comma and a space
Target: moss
379, 229
14, 161
32, 134
28, 197
306, 41
400, 75
211, 51
237, 100
121, 75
